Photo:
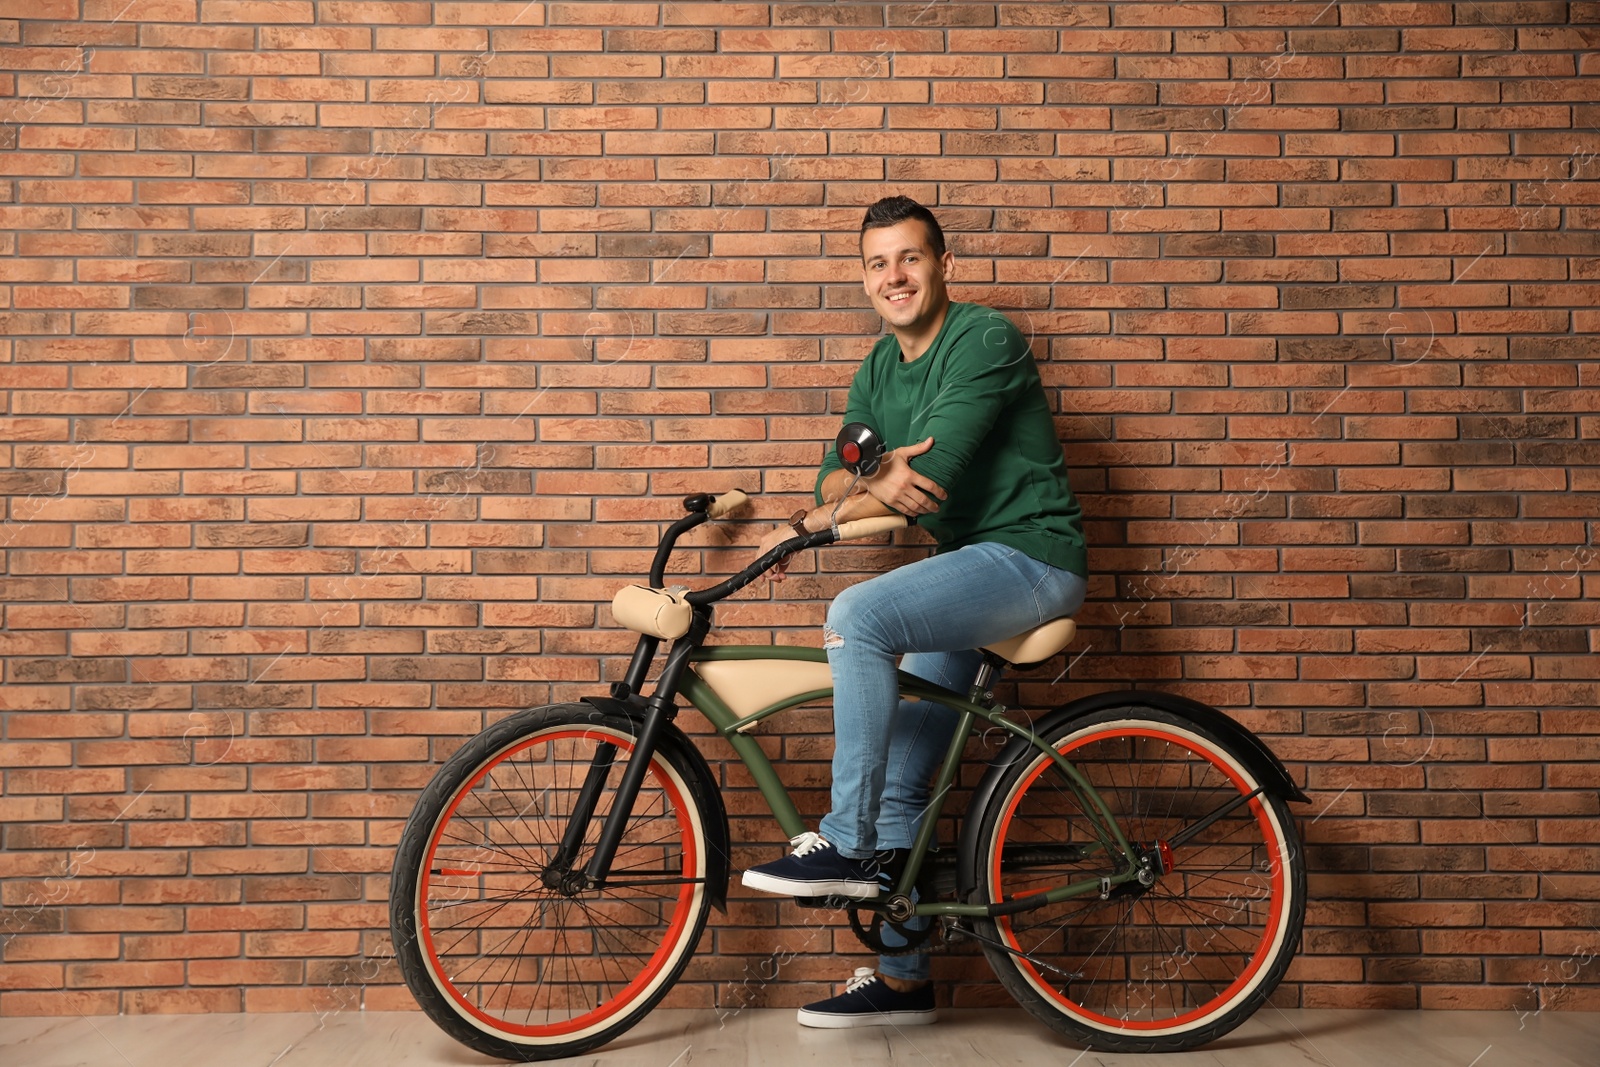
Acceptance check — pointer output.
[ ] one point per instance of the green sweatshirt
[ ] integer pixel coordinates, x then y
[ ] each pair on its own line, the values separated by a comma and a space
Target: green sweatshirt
976, 392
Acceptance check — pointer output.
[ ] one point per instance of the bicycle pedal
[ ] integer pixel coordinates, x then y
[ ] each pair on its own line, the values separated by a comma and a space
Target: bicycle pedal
830, 903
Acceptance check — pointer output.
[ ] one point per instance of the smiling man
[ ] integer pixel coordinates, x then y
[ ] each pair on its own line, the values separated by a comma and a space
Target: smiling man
953, 390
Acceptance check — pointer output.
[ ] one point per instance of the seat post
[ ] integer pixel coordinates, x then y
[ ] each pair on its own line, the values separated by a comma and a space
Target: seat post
982, 692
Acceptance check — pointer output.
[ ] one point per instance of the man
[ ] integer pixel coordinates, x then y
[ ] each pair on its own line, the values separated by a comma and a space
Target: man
954, 392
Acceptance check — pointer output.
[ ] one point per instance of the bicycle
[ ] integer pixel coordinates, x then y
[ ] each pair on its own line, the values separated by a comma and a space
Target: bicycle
1128, 865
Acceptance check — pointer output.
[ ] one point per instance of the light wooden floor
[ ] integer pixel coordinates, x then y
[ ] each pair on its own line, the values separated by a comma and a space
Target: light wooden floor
681, 1038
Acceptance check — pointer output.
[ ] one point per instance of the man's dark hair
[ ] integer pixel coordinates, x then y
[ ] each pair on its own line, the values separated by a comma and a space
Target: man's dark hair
895, 209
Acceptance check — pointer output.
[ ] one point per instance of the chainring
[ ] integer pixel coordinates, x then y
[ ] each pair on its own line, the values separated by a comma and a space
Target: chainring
870, 933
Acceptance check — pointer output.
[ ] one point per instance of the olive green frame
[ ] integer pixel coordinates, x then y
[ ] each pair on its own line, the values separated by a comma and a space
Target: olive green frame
731, 727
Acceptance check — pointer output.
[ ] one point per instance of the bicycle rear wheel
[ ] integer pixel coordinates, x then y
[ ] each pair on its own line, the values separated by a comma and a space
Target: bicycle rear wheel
498, 952
1163, 967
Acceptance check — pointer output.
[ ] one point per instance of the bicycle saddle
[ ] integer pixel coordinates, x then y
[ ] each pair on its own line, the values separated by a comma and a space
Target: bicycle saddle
1034, 646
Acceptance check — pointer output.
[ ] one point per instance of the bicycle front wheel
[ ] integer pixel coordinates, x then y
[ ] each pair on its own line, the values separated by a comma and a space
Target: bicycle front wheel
496, 944
1142, 968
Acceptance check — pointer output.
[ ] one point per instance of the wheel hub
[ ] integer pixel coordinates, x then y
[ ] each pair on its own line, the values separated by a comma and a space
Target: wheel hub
1154, 861
563, 880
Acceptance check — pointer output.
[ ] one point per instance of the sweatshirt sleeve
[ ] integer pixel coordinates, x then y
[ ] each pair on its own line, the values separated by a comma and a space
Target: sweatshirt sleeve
988, 366
856, 409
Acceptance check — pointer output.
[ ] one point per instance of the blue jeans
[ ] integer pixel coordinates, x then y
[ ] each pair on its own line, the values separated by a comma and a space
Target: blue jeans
935, 611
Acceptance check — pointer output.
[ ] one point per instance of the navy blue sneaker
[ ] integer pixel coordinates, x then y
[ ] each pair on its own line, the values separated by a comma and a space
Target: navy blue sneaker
815, 869
867, 1001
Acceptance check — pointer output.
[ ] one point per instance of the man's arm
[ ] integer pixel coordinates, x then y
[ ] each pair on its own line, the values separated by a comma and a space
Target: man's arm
989, 365
834, 485
895, 485
894, 475
858, 505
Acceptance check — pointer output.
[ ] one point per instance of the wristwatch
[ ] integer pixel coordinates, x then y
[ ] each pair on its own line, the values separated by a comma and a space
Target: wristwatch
798, 522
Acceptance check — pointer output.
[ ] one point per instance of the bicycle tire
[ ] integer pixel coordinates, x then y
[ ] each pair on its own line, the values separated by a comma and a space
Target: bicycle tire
513, 967
1162, 968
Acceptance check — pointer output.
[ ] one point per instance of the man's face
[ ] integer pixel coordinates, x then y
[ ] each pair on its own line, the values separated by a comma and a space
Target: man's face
902, 276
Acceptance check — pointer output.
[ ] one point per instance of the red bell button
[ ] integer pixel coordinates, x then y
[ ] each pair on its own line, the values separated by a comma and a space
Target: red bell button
851, 452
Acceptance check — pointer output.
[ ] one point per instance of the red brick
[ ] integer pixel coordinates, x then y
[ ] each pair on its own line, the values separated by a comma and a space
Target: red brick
60, 1002
32, 976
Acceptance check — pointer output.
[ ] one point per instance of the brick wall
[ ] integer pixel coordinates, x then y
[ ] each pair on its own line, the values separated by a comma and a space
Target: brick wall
354, 353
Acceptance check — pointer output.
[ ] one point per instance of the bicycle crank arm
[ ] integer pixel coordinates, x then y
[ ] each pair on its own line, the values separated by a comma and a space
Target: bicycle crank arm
833, 903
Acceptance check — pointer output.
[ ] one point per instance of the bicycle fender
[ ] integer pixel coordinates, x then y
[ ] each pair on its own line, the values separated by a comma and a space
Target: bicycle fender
719, 865
1260, 760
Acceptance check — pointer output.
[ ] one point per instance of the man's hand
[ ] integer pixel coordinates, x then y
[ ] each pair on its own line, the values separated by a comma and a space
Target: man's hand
902, 488
778, 536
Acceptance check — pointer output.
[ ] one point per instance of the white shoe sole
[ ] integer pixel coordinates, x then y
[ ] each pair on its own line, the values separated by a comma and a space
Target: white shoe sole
767, 883
823, 1021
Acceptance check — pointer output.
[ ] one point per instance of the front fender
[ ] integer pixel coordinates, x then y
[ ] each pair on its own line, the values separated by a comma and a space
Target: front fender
1260, 760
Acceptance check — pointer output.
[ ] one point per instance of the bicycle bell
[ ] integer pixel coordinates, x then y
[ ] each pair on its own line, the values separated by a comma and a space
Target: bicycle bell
860, 449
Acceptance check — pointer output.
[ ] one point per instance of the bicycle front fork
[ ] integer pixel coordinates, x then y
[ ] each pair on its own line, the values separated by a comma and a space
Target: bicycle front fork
659, 710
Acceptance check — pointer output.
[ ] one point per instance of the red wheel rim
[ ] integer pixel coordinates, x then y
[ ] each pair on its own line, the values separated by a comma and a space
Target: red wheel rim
1257, 958
658, 960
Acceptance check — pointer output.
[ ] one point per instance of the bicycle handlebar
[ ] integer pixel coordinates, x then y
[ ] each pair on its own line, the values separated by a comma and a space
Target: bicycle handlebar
849, 531
727, 503
702, 508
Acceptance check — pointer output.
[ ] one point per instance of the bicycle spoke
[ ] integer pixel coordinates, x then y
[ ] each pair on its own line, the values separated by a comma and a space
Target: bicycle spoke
1174, 948
535, 960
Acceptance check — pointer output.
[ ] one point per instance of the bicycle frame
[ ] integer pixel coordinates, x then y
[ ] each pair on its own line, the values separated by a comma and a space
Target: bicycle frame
680, 678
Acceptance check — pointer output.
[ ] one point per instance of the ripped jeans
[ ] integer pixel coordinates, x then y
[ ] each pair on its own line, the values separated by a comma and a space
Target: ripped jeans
886, 750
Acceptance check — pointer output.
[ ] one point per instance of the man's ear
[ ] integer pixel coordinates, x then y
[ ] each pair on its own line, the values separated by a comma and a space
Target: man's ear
946, 261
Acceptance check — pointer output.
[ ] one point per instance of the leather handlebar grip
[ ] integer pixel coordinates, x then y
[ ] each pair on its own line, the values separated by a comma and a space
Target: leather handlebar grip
727, 503
878, 524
